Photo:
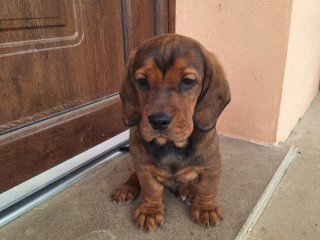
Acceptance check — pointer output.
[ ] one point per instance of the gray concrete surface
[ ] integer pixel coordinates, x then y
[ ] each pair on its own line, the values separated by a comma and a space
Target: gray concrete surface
293, 211
307, 133
84, 210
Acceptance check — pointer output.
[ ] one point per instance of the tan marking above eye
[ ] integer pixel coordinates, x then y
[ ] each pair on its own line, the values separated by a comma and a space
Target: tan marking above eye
191, 76
139, 75
191, 73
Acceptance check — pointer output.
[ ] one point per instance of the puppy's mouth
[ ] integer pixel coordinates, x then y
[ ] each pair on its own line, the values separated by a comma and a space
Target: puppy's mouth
169, 144
162, 140
177, 136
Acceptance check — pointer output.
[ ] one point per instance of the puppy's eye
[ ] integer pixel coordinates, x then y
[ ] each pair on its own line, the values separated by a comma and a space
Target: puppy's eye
187, 83
143, 83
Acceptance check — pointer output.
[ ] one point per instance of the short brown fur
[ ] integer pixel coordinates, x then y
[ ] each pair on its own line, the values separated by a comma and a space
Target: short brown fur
175, 75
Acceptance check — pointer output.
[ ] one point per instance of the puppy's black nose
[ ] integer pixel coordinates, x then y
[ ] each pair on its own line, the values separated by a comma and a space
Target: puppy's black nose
160, 121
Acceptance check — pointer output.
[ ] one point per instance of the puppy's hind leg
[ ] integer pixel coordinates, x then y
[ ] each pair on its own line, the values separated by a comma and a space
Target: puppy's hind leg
128, 191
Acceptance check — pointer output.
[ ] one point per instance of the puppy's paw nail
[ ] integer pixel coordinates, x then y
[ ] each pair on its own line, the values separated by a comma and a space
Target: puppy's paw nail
183, 198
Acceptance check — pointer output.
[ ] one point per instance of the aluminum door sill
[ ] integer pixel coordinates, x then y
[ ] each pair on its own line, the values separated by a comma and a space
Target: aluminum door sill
18, 200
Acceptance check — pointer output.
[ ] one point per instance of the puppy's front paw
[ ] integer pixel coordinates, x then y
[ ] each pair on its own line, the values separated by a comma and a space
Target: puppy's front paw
209, 215
125, 194
149, 217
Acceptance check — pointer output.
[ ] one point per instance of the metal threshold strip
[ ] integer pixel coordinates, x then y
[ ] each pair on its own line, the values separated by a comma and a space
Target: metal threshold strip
20, 199
267, 194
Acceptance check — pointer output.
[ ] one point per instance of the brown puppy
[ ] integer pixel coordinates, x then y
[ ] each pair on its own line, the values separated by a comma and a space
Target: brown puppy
172, 96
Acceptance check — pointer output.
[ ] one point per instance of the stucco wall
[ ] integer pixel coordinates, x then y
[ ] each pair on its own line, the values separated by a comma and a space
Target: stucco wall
250, 39
301, 80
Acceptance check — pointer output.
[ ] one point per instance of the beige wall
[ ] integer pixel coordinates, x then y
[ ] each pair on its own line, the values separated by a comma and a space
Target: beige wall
250, 38
301, 79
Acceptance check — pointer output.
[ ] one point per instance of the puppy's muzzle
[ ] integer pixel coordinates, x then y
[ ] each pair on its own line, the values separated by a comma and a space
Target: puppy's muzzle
160, 121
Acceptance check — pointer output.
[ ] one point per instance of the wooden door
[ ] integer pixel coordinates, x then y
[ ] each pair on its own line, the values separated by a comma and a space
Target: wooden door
61, 66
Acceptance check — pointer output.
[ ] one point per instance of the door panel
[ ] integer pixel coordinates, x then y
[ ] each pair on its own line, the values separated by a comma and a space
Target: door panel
32, 150
31, 13
62, 63
39, 80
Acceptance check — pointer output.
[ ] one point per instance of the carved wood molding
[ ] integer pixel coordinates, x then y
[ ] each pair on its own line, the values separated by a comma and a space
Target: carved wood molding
35, 28
23, 122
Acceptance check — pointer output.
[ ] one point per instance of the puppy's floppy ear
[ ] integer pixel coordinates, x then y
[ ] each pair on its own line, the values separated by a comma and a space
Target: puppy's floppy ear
130, 105
215, 94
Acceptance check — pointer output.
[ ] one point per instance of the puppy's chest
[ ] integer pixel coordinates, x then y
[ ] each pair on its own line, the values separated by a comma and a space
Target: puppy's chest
173, 163
174, 170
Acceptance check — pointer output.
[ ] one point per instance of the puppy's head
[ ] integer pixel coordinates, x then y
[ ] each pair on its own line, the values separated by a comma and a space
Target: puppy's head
172, 85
